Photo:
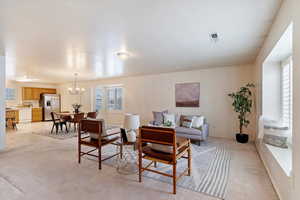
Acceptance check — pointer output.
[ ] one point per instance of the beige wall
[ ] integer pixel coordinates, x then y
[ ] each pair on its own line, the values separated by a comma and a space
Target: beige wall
18, 86
144, 94
289, 12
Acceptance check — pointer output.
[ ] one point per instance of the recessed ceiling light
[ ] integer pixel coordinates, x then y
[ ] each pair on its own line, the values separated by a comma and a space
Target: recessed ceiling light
214, 37
26, 79
123, 55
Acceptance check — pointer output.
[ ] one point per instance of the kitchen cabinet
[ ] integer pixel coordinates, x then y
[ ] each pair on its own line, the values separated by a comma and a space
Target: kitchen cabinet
37, 114
30, 93
48, 91
27, 93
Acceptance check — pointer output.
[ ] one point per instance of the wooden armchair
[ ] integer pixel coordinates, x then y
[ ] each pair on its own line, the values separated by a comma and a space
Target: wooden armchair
165, 137
96, 139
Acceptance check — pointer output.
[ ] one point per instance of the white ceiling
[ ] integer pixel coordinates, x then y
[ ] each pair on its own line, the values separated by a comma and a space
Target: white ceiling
50, 40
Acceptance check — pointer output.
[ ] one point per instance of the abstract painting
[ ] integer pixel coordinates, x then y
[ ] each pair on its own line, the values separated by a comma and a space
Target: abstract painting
187, 94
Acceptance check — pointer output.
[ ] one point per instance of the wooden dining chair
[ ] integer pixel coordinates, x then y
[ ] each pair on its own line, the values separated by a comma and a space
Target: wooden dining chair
98, 141
77, 119
92, 115
58, 123
172, 149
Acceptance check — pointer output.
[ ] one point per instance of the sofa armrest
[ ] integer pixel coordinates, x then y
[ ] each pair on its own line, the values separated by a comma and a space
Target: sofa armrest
205, 131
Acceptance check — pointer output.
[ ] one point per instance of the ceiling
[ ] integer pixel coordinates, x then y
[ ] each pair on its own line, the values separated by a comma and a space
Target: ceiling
50, 40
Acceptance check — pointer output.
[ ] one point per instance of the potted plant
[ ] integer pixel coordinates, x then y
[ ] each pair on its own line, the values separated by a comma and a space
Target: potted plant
242, 104
76, 107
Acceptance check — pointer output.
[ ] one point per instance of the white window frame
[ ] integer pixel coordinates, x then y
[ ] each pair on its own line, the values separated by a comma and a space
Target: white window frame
105, 101
287, 63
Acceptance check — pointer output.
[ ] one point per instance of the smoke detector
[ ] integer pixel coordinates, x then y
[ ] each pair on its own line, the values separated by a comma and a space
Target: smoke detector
214, 37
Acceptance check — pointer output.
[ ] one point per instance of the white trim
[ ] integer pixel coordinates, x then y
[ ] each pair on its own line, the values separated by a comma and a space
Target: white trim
2, 102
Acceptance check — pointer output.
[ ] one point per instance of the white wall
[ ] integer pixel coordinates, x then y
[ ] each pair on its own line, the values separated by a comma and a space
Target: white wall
289, 12
271, 90
2, 103
144, 94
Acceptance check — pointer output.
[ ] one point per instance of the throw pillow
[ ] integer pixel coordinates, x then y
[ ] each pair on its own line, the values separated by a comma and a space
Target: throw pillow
158, 117
276, 136
187, 121
169, 118
198, 122
277, 141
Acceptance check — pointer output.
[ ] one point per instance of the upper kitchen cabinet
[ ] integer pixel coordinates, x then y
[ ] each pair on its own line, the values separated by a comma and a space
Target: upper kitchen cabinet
27, 93
30, 93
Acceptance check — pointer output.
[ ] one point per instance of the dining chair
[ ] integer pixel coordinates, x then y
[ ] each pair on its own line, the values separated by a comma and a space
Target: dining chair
58, 122
161, 145
77, 119
97, 138
92, 115
67, 118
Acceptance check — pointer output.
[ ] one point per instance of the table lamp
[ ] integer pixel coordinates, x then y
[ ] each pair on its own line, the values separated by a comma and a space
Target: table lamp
131, 124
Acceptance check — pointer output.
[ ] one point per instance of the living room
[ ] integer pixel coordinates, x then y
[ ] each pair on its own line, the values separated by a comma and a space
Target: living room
133, 72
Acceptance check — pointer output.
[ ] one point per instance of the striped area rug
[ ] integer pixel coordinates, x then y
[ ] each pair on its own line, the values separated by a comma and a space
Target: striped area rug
214, 182
210, 170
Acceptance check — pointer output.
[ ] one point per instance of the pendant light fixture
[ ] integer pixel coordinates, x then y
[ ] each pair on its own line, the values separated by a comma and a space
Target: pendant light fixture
75, 90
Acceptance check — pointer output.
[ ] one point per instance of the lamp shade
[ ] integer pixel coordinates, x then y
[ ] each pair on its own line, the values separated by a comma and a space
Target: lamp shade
131, 121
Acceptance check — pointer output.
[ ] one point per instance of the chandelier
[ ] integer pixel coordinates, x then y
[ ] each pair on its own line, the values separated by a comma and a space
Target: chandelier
75, 90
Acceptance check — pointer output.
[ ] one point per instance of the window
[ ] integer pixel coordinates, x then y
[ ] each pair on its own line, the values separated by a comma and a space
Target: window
287, 92
109, 98
99, 99
10, 94
114, 98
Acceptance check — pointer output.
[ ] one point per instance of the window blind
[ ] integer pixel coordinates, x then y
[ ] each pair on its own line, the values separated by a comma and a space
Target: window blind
287, 94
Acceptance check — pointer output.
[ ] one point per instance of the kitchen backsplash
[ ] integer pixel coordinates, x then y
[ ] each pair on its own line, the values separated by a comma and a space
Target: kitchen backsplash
14, 103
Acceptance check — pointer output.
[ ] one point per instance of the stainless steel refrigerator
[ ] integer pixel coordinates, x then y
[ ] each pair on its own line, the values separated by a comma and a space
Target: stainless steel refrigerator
50, 103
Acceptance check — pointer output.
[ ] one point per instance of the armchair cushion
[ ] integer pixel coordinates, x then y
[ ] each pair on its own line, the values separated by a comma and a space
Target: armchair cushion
160, 154
167, 148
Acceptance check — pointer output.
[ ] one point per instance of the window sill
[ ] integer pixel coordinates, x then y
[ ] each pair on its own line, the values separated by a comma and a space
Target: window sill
283, 157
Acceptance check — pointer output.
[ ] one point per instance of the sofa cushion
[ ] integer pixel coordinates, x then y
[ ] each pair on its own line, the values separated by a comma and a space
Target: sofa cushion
169, 118
198, 122
187, 121
188, 131
158, 117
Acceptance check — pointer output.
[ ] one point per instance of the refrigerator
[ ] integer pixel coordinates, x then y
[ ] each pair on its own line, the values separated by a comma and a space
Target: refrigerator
49, 103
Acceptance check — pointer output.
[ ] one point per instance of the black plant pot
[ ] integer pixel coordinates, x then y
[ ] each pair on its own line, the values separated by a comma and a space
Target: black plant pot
242, 138
76, 111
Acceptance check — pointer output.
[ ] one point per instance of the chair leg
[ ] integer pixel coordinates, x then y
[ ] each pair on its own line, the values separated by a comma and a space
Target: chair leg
52, 128
155, 164
121, 151
99, 157
66, 127
56, 127
174, 178
189, 160
79, 153
140, 166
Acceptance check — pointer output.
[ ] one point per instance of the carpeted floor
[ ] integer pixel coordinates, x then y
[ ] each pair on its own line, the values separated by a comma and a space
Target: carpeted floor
210, 169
